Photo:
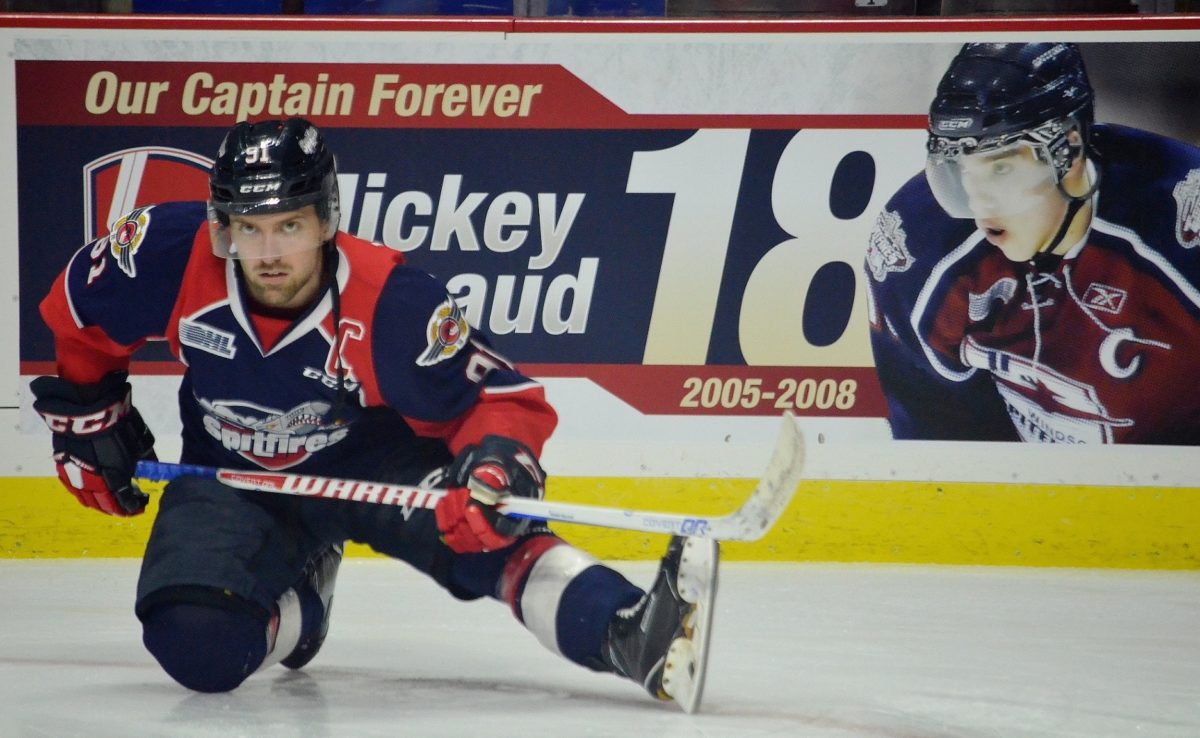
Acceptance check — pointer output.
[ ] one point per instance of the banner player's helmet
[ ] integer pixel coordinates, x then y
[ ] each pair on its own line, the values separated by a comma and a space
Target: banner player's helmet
994, 96
274, 166
996, 89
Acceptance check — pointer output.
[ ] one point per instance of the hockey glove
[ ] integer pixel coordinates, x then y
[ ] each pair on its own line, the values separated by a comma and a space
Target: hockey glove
480, 477
99, 437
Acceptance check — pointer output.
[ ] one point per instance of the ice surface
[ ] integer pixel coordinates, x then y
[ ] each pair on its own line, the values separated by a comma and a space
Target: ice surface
822, 651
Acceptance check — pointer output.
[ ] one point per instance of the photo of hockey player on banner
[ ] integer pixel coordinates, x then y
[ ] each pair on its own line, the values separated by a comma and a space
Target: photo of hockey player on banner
1040, 280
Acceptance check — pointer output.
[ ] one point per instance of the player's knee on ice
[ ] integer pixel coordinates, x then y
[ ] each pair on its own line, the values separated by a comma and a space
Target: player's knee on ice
203, 647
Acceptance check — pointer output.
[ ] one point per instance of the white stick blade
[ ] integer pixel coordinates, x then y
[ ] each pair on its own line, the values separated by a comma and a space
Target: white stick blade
774, 491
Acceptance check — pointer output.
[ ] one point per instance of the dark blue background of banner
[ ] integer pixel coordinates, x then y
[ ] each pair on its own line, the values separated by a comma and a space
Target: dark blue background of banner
625, 231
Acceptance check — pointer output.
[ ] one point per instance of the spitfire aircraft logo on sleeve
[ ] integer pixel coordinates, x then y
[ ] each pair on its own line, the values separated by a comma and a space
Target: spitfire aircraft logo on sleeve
126, 236
446, 333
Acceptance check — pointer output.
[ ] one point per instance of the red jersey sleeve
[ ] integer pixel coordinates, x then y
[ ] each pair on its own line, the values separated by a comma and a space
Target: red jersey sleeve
522, 414
83, 354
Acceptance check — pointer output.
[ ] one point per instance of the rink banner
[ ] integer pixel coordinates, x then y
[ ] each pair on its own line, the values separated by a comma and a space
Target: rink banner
639, 252
674, 227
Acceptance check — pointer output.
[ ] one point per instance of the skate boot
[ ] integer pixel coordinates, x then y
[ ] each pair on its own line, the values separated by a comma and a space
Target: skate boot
662, 641
316, 596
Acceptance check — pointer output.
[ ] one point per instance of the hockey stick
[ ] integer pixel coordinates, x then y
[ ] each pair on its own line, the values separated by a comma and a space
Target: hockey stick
748, 523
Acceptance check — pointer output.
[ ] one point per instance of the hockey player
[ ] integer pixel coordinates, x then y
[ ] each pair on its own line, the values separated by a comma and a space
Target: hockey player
1039, 280
310, 350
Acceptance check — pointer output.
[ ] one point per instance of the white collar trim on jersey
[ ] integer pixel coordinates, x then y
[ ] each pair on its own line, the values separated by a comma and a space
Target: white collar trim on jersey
312, 321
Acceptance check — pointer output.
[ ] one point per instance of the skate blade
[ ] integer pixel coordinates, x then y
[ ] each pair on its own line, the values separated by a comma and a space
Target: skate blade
687, 659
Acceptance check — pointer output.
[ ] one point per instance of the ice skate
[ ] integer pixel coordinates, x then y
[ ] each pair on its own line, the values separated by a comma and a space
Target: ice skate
319, 577
662, 641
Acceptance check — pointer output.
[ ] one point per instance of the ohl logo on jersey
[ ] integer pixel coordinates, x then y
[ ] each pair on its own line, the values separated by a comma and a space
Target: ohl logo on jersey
446, 333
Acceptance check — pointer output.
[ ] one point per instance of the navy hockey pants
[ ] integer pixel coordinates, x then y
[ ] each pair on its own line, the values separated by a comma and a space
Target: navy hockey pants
218, 559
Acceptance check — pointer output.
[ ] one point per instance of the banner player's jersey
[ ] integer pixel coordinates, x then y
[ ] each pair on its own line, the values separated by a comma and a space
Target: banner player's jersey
1099, 346
410, 364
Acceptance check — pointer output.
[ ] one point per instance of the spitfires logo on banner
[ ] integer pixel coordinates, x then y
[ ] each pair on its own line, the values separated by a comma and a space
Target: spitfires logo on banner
886, 249
446, 333
124, 180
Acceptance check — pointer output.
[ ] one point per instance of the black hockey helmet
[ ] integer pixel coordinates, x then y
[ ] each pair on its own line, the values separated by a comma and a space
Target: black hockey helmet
996, 89
274, 166
994, 97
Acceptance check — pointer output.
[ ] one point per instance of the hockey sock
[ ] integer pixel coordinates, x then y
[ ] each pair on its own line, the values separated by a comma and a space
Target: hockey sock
564, 596
588, 603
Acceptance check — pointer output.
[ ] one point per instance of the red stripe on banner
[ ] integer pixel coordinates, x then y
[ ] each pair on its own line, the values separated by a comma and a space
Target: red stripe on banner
847, 392
840, 392
774, 122
145, 368
476, 96
127, 93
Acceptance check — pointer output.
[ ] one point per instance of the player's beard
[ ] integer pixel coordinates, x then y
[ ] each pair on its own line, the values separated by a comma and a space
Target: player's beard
280, 284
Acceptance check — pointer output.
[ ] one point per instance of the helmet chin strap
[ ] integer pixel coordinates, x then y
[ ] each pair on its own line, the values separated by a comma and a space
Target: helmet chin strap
1074, 204
335, 296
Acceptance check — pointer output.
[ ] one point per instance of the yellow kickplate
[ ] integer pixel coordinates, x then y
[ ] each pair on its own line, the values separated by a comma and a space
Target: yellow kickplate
892, 522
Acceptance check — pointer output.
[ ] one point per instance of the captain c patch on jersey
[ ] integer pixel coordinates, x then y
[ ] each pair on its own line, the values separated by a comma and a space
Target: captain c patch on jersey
446, 333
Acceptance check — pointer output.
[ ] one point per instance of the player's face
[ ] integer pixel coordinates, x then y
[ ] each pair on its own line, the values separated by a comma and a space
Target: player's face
281, 256
1014, 200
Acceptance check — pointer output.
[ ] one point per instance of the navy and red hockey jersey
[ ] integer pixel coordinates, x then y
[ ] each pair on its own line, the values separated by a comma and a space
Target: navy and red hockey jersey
1100, 345
257, 395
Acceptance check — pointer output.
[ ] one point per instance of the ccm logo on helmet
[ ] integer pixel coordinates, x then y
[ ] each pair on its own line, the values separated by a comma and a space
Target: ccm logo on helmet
260, 187
954, 124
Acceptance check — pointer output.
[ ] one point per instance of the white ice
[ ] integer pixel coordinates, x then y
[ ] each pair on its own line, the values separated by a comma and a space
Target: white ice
819, 651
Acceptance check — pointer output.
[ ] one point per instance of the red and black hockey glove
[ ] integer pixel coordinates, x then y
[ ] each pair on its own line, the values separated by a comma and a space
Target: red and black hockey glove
480, 477
99, 437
